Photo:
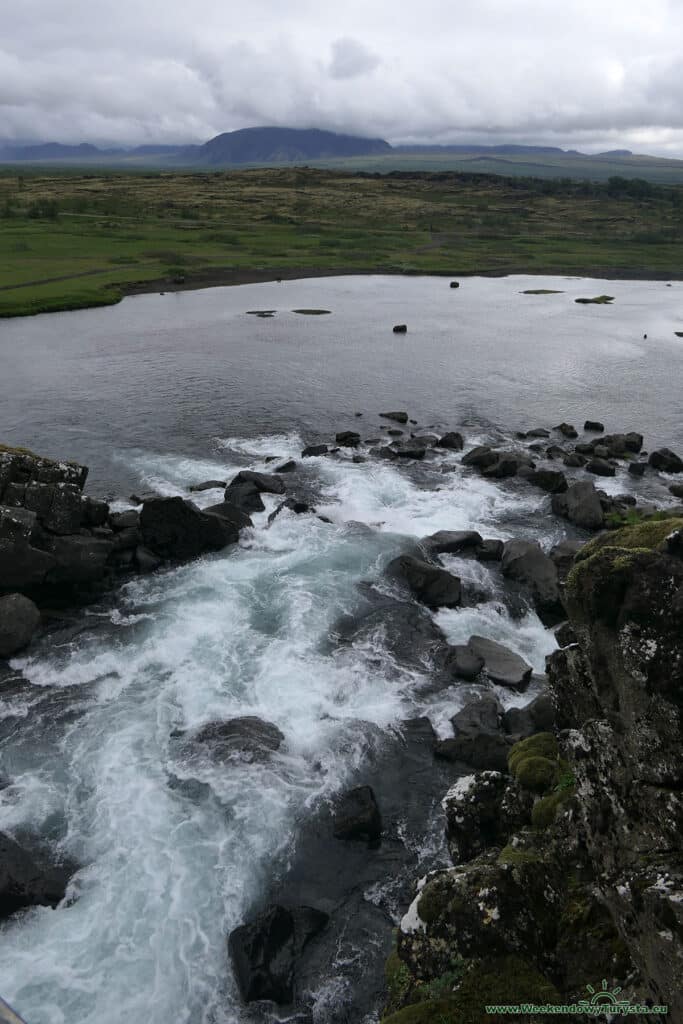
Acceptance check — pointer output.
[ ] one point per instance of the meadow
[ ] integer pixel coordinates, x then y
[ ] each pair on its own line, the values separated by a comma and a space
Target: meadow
78, 237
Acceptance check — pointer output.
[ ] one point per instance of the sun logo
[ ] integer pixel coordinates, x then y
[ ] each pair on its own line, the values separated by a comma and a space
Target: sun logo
604, 997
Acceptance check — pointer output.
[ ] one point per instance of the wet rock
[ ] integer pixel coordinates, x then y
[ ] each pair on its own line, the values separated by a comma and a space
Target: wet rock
29, 878
357, 816
478, 739
551, 480
600, 467
265, 951
676, 490
463, 662
265, 482
209, 485
567, 430
246, 738
565, 635
594, 426
666, 461
400, 328
452, 440
429, 584
295, 506
286, 467
480, 457
537, 432
573, 460
527, 563
481, 811
536, 716
385, 452
23, 565
146, 560
93, 512
395, 432
77, 559
397, 417
410, 450
348, 439
177, 529
126, 540
130, 519
555, 451
140, 499
19, 619
501, 665
245, 496
313, 450
454, 284
451, 542
580, 504
563, 555
490, 550
507, 464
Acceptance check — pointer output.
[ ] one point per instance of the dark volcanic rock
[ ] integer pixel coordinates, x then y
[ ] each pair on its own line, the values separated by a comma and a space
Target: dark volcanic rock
567, 430
265, 951
19, 619
464, 663
429, 584
490, 550
676, 490
536, 716
28, 879
479, 739
565, 635
400, 329
77, 559
398, 417
453, 440
580, 504
525, 562
286, 467
600, 467
551, 480
451, 542
245, 496
666, 461
209, 485
501, 665
594, 426
247, 738
348, 439
482, 810
177, 529
480, 457
357, 816
313, 450
410, 449
266, 482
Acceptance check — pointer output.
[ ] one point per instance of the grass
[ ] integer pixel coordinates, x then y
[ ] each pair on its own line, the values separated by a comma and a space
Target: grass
74, 239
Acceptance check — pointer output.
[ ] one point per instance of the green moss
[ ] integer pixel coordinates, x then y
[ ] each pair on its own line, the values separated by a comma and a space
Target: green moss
399, 981
647, 534
514, 856
435, 1011
542, 744
16, 451
431, 901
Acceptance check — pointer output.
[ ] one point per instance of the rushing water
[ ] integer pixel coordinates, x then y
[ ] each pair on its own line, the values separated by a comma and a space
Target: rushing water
174, 852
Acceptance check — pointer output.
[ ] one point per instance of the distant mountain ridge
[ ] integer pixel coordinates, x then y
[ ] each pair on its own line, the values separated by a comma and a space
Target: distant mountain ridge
280, 145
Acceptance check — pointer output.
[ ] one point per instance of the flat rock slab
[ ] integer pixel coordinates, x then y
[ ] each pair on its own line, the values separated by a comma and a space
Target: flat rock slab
501, 665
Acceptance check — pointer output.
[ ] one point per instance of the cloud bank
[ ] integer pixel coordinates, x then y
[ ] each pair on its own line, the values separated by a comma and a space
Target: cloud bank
581, 75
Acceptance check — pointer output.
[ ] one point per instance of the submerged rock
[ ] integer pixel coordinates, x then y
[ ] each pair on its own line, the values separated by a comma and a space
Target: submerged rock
567, 430
19, 619
28, 878
265, 951
357, 816
397, 417
452, 440
314, 449
246, 738
666, 461
429, 584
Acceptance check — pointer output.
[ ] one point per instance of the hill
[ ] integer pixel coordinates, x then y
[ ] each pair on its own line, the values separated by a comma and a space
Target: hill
281, 145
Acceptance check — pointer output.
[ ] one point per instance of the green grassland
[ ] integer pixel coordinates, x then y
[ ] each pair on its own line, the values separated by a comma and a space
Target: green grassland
82, 238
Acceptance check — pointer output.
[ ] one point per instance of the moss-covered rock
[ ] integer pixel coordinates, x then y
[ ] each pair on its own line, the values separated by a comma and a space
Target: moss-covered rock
534, 762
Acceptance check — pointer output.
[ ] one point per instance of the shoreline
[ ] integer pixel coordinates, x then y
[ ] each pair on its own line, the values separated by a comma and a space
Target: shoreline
232, 277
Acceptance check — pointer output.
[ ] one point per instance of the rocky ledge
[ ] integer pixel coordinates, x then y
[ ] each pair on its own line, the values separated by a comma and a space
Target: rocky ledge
567, 864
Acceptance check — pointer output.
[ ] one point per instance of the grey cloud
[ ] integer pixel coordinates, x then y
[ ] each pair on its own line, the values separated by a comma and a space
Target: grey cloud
580, 74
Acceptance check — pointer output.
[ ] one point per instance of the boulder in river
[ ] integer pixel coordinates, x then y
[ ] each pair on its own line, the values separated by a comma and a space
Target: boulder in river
478, 739
357, 816
666, 461
580, 504
348, 439
600, 467
527, 563
567, 430
501, 665
594, 426
428, 583
464, 663
265, 951
397, 417
177, 529
400, 328
246, 738
480, 457
453, 440
314, 449
246, 496
551, 480
451, 542
266, 482
490, 550
19, 619
209, 485
28, 878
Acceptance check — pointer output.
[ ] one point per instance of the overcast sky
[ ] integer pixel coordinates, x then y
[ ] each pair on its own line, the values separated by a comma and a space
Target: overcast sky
587, 74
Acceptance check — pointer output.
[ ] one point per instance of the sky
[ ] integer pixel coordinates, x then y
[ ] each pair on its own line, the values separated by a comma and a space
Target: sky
582, 74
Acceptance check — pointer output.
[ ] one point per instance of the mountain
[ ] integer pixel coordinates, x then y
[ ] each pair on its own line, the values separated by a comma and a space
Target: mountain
52, 151
509, 148
281, 145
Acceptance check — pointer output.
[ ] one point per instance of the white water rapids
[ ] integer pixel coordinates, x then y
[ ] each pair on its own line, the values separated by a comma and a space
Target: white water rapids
168, 870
